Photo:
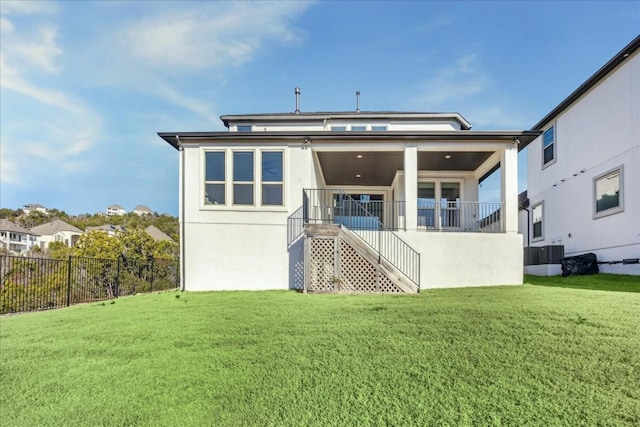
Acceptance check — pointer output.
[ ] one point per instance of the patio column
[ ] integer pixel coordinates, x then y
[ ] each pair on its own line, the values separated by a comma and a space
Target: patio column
509, 187
411, 186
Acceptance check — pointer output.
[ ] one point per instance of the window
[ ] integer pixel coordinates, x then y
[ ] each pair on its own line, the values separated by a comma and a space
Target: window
243, 177
358, 128
378, 128
338, 128
244, 128
608, 195
255, 178
214, 178
548, 146
537, 222
272, 178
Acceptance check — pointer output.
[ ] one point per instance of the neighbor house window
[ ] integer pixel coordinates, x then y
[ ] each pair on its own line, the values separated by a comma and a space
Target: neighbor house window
244, 128
537, 222
338, 128
214, 178
358, 128
608, 195
272, 178
243, 177
548, 146
378, 128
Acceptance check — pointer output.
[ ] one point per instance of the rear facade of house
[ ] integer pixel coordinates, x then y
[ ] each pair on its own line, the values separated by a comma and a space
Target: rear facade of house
347, 201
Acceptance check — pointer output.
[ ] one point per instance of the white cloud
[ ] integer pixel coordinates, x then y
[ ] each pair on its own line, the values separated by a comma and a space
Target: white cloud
219, 35
44, 129
22, 7
462, 80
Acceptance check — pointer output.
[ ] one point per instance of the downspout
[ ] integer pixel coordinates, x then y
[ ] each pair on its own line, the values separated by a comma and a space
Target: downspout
181, 213
528, 225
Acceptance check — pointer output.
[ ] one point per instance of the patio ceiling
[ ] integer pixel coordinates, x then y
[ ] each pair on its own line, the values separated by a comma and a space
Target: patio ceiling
378, 168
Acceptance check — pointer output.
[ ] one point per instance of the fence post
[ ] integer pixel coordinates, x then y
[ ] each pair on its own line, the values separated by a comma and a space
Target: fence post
117, 293
151, 281
69, 281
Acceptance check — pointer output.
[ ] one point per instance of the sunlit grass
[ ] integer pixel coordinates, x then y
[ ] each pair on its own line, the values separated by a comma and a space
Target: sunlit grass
527, 355
602, 282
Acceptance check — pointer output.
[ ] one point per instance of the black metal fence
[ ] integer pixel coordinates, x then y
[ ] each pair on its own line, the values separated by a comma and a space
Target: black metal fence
30, 284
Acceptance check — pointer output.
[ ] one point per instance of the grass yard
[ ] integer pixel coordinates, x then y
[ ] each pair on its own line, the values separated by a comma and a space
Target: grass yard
525, 355
601, 282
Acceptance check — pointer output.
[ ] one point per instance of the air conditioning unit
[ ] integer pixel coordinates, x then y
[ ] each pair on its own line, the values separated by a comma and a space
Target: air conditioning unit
551, 254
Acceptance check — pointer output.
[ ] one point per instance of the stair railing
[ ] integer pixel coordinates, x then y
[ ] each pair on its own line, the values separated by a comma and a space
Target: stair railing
322, 206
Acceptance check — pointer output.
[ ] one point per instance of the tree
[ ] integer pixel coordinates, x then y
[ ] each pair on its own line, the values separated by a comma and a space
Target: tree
98, 244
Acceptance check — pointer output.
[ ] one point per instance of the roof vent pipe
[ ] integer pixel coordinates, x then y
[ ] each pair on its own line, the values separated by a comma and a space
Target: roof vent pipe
357, 101
297, 100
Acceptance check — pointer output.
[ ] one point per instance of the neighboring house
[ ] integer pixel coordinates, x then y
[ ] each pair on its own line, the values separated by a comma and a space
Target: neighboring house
15, 238
157, 234
27, 209
115, 210
142, 210
57, 231
584, 169
347, 201
111, 230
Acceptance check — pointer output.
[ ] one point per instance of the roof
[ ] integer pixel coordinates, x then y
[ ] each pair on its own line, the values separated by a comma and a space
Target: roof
107, 228
328, 115
6, 225
142, 208
54, 227
33, 206
599, 75
115, 207
157, 234
525, 137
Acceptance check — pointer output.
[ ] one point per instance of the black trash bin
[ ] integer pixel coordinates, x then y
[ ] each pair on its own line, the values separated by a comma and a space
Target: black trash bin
579, 265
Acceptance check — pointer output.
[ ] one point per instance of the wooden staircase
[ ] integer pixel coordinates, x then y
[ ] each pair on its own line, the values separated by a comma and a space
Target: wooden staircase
337, 260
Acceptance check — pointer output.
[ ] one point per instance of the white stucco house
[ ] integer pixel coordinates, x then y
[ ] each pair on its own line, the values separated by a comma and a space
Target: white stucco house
34, 207
115, 210
57, 231
142, 210
14, 238
347, 201
584, 169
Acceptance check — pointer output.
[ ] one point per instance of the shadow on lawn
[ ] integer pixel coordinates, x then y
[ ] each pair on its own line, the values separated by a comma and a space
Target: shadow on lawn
599, 282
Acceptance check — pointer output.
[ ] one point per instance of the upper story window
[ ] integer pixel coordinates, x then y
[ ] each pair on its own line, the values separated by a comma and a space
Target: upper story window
338, 128
272, 178
244, 128
255, 177
537, 222
378, 128
214, 178
608, 193
549, 146
358, 128
243, 177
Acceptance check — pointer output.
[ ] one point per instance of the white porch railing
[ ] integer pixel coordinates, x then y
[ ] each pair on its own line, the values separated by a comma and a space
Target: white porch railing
461, 216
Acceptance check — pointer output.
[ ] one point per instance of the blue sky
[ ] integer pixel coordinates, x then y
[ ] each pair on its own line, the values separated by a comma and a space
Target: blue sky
85, 86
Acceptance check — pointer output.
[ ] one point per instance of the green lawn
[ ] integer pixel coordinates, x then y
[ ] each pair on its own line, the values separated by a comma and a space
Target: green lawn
601, 282
524, 355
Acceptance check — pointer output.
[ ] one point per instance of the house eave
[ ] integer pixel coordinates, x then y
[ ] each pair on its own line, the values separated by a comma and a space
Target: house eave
185, 138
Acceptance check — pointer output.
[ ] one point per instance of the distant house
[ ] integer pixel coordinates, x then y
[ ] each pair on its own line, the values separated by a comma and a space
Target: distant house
27, 209
142, 210
57, 231
157, 234
15, 238
115, 210
584, 170
111, 230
